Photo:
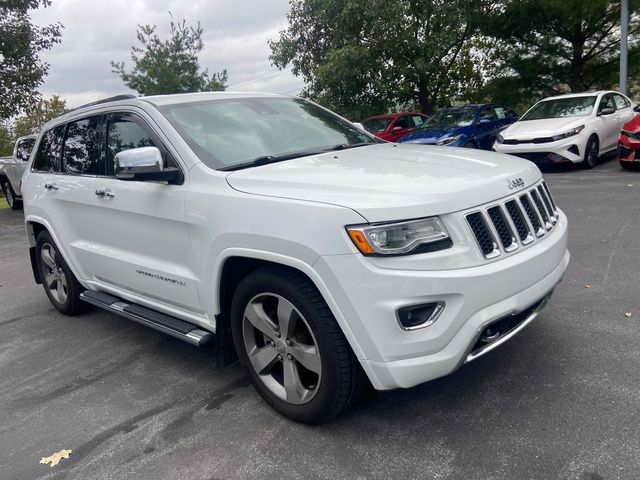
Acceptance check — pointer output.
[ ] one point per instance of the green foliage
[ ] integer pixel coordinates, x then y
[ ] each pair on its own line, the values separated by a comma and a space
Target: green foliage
546, 47
43, 111
169, 66
21, 42
361, 58
7, 140
30, 123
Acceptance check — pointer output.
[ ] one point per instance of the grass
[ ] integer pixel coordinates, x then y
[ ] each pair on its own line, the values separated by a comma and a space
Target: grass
3, 203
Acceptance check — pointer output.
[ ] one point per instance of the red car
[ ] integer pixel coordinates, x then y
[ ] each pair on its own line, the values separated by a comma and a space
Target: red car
629, 143
393, 126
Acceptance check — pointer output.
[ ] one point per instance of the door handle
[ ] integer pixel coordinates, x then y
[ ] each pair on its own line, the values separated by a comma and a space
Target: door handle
51, 186
105, 192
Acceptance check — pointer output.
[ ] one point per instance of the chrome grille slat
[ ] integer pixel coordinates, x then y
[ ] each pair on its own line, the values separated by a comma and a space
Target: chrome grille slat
518, 220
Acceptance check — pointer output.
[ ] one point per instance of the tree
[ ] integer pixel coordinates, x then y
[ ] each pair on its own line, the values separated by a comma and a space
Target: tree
7, 140
21, 42
366, 57
556, 46
45, 110
169, 66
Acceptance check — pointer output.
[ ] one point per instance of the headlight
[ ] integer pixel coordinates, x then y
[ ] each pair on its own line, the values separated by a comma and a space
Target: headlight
414, 236
499, 138
449, 140
570, 133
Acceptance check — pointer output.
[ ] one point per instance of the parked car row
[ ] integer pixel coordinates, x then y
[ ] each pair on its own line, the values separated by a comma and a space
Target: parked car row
574, 128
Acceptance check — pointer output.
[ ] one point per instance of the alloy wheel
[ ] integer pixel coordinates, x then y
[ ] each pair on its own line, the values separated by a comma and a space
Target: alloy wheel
282, 348
54, 279
8, 195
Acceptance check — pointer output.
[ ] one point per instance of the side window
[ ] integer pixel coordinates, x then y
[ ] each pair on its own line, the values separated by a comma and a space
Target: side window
48, 156
123, 133
417, 120
501, 113
23, 148
620, 102
606, 102
81, 150
488, 114
402, 122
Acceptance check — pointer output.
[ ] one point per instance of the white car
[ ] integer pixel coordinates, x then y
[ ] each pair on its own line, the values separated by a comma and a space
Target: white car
322, 256
576, 128
12, 168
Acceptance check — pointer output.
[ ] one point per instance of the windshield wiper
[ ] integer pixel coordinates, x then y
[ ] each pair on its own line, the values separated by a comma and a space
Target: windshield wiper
267, 159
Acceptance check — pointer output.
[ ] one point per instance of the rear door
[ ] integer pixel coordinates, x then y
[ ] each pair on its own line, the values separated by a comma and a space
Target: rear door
624, 109
141, 240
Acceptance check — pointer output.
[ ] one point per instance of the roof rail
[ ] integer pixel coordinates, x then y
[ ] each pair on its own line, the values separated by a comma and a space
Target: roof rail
104, 100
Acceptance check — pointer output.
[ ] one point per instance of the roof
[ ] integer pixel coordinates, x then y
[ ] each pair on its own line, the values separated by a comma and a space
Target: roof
581, 94
392, 115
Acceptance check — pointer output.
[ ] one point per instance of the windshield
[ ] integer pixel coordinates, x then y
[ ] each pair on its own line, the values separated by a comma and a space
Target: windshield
451, 117
561, 107
377, 125
228, 132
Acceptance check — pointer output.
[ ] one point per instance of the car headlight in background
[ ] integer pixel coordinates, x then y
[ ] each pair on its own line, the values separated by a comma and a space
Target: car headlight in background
499, 138
400, 238
449, 140
570, 133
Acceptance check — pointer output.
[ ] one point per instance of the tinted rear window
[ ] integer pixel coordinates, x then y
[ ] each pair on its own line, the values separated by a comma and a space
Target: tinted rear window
48, 156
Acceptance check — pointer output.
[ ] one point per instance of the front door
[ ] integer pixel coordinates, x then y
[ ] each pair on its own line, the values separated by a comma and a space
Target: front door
608, 125
142, 239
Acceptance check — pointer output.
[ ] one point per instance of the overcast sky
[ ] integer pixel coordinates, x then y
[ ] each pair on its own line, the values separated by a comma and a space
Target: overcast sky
98, 31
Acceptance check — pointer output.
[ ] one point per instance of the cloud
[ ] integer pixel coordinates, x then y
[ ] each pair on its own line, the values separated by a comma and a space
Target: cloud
96, 32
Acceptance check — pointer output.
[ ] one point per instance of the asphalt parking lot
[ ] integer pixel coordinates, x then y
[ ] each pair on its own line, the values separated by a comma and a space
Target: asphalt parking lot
560, 401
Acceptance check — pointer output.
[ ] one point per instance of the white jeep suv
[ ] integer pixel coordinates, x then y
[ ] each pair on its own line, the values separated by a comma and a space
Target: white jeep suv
325, 258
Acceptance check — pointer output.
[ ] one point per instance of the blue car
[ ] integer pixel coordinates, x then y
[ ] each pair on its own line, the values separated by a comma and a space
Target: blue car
472, 126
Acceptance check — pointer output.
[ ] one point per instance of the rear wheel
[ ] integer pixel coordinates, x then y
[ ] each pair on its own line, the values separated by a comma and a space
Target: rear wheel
10, 195
292, 347
60, 285
590, 153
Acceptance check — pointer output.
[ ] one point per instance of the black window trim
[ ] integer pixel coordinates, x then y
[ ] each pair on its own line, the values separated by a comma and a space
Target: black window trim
161, 145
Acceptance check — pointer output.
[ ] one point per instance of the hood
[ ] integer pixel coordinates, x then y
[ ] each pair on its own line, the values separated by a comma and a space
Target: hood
432, 135
389, 181
546, 127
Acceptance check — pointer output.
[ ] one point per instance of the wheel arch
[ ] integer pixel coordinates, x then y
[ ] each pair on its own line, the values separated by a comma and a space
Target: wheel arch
237, 263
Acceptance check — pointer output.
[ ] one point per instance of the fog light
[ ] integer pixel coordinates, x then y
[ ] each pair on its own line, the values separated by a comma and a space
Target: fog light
419, 316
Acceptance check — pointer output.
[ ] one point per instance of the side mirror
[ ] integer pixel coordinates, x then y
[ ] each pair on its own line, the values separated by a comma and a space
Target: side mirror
24, 156
359, 125
607, 111
636, 109
143, 164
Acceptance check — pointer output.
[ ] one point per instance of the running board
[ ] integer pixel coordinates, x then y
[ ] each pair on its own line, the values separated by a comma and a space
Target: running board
173, 326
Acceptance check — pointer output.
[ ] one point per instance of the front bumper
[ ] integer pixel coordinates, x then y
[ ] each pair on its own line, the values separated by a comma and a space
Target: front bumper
368, 298
628, 149
567, 150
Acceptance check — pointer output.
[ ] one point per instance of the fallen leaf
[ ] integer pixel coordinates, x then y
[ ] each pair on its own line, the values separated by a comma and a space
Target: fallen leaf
628, 314
586, 285
54, 459
629, 184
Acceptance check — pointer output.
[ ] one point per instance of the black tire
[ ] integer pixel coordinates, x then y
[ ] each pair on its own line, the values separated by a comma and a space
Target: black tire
591, 153
341, 381
470, 144
11, 196
71, 303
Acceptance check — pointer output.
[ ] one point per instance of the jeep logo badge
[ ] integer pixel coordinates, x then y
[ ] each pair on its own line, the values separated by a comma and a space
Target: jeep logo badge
514, 183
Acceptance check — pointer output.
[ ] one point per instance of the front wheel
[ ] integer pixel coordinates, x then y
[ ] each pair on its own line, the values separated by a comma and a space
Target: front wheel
292, 347
10, 195
590, 154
